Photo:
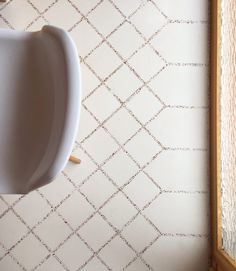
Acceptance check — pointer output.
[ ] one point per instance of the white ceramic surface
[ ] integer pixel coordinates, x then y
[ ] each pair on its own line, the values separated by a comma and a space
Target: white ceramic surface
39, 106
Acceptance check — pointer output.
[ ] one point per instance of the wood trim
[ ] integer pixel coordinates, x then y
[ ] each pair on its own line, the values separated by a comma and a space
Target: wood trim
215, 144
220, 260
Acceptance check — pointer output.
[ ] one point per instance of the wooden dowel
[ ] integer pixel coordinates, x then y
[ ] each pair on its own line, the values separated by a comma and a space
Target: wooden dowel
75, 160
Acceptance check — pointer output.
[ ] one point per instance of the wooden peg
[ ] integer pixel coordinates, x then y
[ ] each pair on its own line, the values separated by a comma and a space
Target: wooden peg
75, 160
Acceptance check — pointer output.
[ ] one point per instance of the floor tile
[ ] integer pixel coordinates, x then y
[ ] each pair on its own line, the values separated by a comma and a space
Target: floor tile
166, 248
140, 233
119, 211
183, 36
70, 256
30, 252
122, 125
76, 216
97, 236
117, 254
187, 87
146, 57
180, 213
105, 24
142, 148
98, 189
148, 19
141, 190
174, 127
189, 170
114, 165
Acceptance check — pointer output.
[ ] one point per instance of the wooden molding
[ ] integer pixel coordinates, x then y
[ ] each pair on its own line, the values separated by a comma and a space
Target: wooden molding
220, 260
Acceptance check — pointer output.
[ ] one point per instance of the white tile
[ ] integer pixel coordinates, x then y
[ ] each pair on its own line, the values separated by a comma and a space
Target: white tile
61, 10
53, 231
117, 254
57, 190
123, 82
190, 43
180, 213
7, 263
118, 210
148, 19
12, 229
105, 17
3, 24
32, 201
137, 265
122, 125
141, 190
181, 128
18, 19
103, 61
184, 9
120, 168
96, 232
128, 7
100, 145
140, 233
146, 57
102, 103
85, 6
126, 40
42, 5
2, 251
90, 81
188, 85
75, 216
78, 173
11, 199
74, 253
37, 25
50, 264
144, 105
142, 147
98, 189
87, 124
184, 253
85, 38
180, 170
94, 264
30, 252
3, 207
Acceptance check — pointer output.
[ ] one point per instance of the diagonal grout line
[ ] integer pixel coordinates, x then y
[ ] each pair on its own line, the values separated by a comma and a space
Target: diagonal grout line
12, 257
118, 232
6, 21
73, 232
9, 206
5, 5
84, 17
41, 14
31, 230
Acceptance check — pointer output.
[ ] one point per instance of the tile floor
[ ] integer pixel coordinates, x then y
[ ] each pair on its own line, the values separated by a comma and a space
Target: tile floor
139, 200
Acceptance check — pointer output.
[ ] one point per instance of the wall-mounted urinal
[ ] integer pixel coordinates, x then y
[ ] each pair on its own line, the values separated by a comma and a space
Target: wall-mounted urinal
39, 106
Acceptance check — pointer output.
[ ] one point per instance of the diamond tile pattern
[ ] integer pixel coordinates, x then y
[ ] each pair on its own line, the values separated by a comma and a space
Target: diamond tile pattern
141, 190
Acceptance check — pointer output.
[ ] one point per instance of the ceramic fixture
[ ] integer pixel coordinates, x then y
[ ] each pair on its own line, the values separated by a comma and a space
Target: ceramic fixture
39, 106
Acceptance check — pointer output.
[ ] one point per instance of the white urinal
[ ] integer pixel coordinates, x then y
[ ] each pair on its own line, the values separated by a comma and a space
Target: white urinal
39, 106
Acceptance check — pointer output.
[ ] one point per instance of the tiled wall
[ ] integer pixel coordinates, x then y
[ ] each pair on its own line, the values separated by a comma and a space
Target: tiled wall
139, 200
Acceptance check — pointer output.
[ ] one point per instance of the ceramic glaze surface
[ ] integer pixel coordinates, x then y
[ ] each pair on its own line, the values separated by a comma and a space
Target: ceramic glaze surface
35, 94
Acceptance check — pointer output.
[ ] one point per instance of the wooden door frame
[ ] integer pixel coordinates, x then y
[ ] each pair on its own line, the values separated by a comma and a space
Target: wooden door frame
220, 260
